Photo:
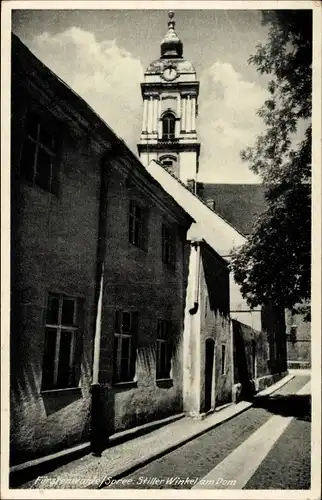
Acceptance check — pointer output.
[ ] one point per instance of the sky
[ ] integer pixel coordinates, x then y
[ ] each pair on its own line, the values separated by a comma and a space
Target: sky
102, 55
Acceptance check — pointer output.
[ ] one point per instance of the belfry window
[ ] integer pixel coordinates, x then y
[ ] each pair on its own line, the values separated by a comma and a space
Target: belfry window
168, 126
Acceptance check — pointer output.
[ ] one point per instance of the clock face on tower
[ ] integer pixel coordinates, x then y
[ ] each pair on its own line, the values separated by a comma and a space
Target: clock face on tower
169, 74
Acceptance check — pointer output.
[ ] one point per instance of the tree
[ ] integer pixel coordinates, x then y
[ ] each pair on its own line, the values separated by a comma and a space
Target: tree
274, 264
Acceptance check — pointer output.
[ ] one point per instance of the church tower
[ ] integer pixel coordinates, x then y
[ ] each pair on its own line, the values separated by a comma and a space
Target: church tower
170, 106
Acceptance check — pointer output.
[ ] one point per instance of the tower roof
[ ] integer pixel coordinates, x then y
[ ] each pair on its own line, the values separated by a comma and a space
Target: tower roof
171, 50
171, 45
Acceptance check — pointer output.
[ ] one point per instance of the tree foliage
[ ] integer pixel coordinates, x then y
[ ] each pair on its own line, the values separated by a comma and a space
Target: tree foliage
274, 264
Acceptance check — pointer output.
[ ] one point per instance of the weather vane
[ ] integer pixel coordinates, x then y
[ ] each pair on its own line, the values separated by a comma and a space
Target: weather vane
171, 22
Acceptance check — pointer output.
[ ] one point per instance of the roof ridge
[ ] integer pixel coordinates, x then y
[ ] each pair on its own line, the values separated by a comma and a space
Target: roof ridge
68, 87
199, 198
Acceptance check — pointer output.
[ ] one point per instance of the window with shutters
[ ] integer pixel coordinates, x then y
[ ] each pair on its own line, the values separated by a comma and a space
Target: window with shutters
125, 346
164, 349
138, 227
62, 352
168, 246
39, 157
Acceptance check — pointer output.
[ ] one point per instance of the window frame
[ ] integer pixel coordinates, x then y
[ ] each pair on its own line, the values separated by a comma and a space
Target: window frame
50, 380
169, 119
119, 338
164, 338
139, 224
169, 245
42, 125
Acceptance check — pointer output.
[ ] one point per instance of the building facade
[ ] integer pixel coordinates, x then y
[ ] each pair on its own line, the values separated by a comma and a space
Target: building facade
55, 179
82, 202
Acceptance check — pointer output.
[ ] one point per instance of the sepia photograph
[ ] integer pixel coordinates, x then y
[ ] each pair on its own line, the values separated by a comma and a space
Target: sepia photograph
161, 256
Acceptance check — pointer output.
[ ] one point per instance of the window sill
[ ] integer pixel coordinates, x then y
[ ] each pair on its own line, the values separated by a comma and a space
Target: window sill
59, 391
40, 189
164, 382
125, 385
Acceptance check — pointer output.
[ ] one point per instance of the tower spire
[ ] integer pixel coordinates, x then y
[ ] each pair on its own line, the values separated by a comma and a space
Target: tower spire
170, 97
171, 45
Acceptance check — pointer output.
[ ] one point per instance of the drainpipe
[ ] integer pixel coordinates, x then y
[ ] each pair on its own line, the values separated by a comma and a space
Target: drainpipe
232, 363
195, 332
96, 436
194, 309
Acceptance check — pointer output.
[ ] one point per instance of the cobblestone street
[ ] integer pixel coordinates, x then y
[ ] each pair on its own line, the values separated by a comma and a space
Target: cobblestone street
286, 464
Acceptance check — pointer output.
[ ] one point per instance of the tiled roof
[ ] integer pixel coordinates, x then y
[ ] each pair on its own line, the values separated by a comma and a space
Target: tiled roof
222, 236
199, 197
239, 204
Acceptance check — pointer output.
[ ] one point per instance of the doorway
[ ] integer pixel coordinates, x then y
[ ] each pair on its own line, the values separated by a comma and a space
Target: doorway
209, 375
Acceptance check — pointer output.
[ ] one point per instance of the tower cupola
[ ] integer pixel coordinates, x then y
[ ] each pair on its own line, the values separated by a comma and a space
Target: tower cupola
171, 45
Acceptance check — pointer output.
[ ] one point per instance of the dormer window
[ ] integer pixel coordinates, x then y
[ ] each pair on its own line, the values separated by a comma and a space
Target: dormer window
168, 126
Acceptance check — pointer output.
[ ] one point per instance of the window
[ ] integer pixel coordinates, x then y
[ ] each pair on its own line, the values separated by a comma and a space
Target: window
223, 359
38, 159
61, 363
168, 164
138, 226
168, 126
168, 246
125, 344
164, 348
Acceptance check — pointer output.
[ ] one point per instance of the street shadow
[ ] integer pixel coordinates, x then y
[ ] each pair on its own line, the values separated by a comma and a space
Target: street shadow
290, 405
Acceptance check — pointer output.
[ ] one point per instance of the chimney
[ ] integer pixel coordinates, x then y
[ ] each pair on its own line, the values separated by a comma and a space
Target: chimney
191, 185
211, 203
199, 188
